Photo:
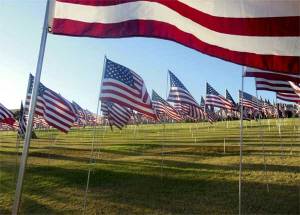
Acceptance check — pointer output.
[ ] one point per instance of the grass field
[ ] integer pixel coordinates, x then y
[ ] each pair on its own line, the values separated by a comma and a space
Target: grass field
158, 169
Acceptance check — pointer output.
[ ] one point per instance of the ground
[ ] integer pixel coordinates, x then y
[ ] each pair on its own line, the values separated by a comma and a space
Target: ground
157, 169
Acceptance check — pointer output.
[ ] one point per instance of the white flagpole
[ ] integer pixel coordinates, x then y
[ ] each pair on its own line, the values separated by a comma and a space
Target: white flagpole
24, 157
93, 141
241, 145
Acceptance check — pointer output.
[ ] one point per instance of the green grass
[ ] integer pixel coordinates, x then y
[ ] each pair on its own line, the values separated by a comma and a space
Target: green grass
157, 169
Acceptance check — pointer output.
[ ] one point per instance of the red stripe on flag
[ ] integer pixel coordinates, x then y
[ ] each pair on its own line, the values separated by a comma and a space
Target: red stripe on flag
150, 28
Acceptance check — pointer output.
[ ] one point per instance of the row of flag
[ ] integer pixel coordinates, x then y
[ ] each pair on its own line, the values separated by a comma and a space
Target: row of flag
124, 93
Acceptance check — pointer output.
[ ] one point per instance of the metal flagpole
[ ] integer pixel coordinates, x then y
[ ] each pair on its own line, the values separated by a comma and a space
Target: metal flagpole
93, 141
24, 157
241, 145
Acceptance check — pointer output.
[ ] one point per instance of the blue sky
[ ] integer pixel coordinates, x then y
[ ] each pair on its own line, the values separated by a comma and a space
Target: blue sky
73, 66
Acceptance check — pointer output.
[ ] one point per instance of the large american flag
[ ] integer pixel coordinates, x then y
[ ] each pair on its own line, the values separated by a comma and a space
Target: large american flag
6, 116
215, 99
56, 110
249, 101
116, 115
122, 86
271, 75
22, 122
179, 94
231, 30
163, 108
273, 85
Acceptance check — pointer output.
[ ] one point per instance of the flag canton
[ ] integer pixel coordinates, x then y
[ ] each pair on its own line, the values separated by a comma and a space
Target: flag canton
210, 90
119, 73
42, 89
174, 81
156, 97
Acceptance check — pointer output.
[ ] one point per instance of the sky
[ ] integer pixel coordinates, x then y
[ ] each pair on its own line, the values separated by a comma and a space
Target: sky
73, 65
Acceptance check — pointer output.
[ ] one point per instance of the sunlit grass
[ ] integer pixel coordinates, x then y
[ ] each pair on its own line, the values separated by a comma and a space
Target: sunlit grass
157, 169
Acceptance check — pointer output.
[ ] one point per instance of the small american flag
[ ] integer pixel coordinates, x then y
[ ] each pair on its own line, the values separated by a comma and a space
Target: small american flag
179, 94
6, 116
117, 115
163, 108
249, 101
56, 110
80, 113
213, 98
22, 122
122, 86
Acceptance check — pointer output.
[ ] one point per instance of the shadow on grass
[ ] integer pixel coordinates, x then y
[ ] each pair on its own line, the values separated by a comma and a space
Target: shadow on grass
168, 194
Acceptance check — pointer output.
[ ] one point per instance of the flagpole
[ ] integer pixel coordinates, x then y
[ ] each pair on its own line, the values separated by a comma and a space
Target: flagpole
241, 145
19, 186
93, 141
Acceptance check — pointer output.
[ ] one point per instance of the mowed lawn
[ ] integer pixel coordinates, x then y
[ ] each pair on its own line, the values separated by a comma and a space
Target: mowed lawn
158, 169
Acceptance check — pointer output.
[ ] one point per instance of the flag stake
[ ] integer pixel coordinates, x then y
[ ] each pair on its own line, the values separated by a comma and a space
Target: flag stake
224, 146
241, 146
93, 141
19, 186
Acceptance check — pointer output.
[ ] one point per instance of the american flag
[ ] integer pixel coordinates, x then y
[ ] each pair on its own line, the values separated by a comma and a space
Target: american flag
163, 108
6, 116
295, 87
80, 113
117, 115
273, 85
249, 101
179, 94
91, 118
271, 75
231, 30
22, 122
122, 86
213, 98
268, 108
56, 110
290, 97
210, 114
